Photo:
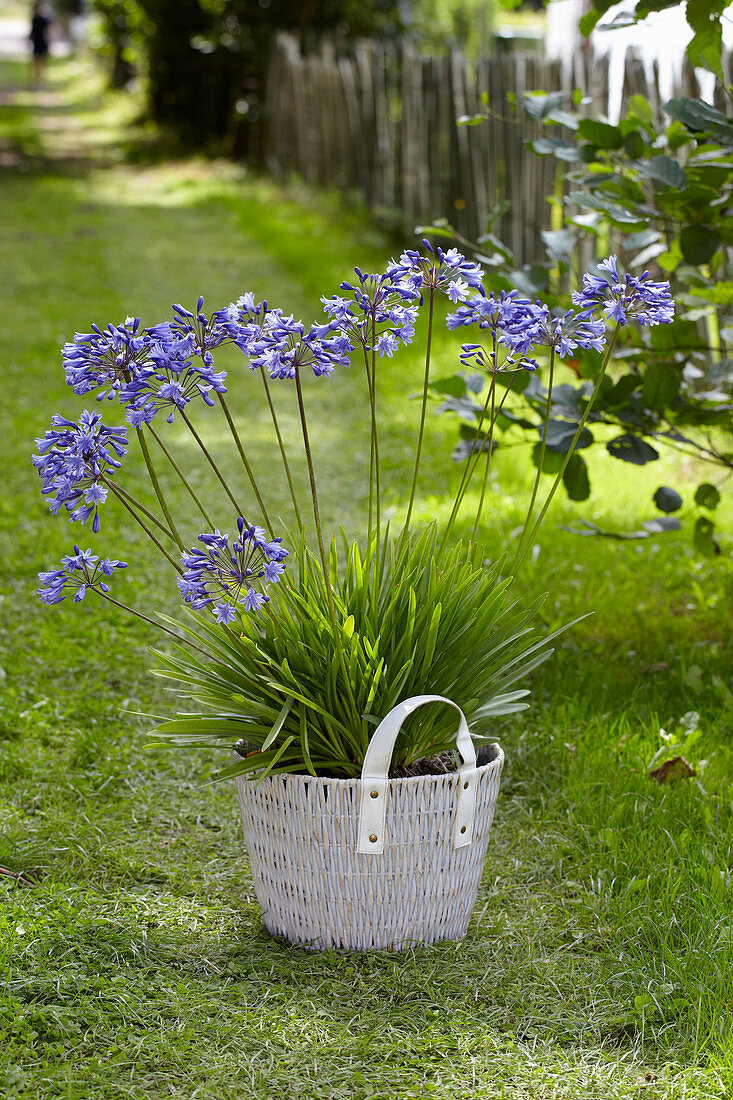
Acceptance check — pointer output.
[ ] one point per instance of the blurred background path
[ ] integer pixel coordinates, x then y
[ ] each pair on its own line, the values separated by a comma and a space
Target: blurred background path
39, 122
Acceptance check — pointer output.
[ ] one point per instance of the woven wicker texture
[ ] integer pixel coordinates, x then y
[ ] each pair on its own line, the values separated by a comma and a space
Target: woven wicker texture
317, 891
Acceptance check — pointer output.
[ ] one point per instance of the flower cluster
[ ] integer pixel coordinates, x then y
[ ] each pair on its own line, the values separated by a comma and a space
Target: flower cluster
201, 335
106, 359
225, 576
636, 298
448, 271
169, 379
522, 326
149, 369
242, 321
282, 347
379, 315
74, 461
506, 311
81, 570
563, 334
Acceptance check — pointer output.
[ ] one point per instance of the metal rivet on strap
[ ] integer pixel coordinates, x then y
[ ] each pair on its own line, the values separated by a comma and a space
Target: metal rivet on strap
463, 828
374, 794
465, 785
373, 837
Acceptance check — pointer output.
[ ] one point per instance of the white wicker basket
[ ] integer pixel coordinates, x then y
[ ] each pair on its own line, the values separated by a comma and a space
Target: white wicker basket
374, 862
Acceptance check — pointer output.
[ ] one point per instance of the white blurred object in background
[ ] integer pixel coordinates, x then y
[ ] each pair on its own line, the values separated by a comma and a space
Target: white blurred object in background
661, 37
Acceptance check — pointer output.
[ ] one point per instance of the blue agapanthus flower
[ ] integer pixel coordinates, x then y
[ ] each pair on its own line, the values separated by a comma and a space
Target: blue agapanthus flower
282, 346
202, 335
81, 570
222, 576
105, 359
75, 459
378, 314
490, 311
564, 334
633, 298
242, 320
448, 271
170, 378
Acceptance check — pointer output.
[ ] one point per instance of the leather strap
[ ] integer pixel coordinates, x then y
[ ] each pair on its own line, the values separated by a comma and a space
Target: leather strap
374, 781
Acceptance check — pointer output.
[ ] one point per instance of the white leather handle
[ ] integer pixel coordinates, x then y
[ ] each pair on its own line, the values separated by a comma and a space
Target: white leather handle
374, 782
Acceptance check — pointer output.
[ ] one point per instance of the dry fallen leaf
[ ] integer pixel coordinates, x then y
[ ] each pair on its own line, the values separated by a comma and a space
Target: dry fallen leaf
676, 768
645, 1079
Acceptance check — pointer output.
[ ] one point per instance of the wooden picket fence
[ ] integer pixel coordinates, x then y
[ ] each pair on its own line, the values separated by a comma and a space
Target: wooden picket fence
380, 118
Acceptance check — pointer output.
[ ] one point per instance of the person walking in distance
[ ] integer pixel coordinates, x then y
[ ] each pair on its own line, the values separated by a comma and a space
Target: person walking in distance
40, 23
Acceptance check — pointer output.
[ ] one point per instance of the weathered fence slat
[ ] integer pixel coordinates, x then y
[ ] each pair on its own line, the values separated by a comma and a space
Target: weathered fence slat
381, 119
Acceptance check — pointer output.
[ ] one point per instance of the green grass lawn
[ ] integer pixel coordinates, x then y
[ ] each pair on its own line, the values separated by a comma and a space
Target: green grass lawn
132, 962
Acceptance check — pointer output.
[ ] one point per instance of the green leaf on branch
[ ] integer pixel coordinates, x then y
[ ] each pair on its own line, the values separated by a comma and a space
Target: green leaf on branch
560, 243
665, 170
575, 479
551, 146
532, 279
700, 117
601, 134
721, 294
703, 538
670, 260
698, 243
677, 135
661, 385
454, 385
471, 120
560, 435
463, 406
707, 496
642, 239
705, 48
641, 110
634, 145
541, 104
667, 500
630, 448
620, 392
551, 462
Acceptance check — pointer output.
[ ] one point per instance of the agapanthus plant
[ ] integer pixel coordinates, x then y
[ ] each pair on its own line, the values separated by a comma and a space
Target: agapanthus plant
301, 661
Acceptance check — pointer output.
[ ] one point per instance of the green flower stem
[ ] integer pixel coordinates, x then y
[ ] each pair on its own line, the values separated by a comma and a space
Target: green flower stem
516, 564
210, 460
319, 533
314, 499
182, 476
375, 507
281, 445
423, 411
245, 463
158, 626
377, 488
473, 459
120, 492
479, 510
156, 485
367, 372
543, 447
145, 527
